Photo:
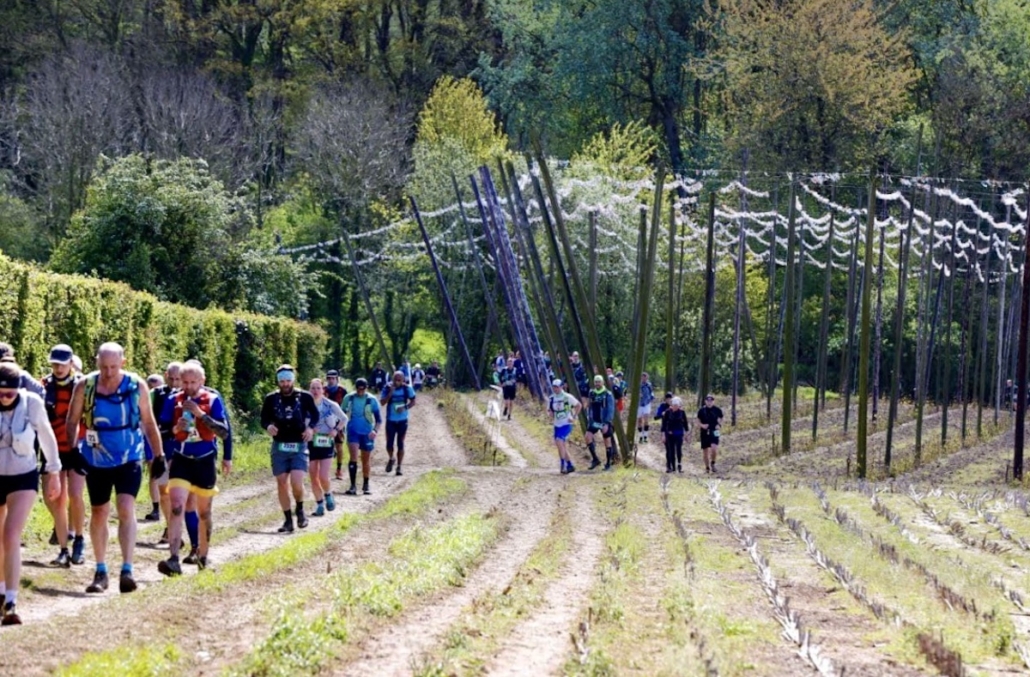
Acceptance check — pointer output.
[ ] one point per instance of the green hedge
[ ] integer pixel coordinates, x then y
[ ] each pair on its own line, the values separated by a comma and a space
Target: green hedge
240, 351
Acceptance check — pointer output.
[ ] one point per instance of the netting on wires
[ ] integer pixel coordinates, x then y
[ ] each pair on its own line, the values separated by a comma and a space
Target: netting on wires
959, 226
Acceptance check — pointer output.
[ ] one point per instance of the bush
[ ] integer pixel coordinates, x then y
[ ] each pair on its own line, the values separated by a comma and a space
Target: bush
240, 351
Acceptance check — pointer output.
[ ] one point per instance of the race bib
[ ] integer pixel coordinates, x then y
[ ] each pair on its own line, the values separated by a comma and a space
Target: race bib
323, 441
715, 434
399, 407
288, 447
93, 438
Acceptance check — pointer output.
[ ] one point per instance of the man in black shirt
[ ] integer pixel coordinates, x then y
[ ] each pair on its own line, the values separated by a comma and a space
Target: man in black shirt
289, 416
378, 378
709, 419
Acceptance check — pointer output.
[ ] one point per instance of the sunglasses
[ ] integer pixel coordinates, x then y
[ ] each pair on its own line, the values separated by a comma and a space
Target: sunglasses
8, 394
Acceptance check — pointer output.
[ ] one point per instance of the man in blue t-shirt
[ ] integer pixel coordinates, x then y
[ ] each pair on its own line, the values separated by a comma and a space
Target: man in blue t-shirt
398, 397
363, 423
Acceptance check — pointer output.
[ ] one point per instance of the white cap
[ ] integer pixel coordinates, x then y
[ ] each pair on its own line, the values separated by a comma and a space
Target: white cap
556, 382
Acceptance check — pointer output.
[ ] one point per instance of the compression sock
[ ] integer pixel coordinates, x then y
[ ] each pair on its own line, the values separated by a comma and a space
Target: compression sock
593, 451
288, 515
352, 470
101, 567
300, 507
193, 527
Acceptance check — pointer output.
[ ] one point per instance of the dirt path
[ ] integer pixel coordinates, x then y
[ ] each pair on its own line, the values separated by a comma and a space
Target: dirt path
393, 652
539, 645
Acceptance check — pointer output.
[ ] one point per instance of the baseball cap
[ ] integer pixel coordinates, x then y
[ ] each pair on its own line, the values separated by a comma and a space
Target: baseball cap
599, 379
556, 382
61, 354
361, 383
332, 372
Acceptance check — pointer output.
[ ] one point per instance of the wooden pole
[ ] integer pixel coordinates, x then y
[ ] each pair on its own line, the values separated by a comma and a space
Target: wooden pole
363, 290
455, 325
865, 338
705, 383
1021, 358
789, 340
670, 325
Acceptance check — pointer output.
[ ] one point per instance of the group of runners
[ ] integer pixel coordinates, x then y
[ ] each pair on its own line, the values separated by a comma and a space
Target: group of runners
95, 433
603, 399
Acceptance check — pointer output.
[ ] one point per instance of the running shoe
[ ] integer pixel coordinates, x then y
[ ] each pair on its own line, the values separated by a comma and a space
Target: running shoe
126, 583
353, 491
364, 488
389, 466
564, 470
713, 466
399, 473
62, 560
330, 502
319, 511
190, 558
594, 463
607, 467
152, 516
679, 467
53, 537
570, 468
78, 550
99, 583
170, 567
10, 615
201, 563
302, 519
287, 527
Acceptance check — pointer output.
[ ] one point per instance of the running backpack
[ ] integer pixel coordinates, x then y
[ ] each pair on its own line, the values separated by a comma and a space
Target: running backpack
90, 399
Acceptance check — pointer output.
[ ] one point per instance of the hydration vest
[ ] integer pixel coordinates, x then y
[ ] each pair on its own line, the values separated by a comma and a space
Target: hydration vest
117, 398
204, 401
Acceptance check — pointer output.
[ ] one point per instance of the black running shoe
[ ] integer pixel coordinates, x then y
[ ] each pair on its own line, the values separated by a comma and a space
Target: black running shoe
399, 473
302, 519
126, 583
287, 527
364, 489
389, 466
62, 560
99, 583
170, 567
152, 516
201, 563
190, 558
353, 491
10, 616
594, 464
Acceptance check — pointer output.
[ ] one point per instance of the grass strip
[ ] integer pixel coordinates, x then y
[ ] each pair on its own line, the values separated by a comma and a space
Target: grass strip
474, 439
126, 661
475, 638
421, 561
902, 591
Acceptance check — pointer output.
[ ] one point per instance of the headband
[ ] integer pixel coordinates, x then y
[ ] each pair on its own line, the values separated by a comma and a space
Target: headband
284, 375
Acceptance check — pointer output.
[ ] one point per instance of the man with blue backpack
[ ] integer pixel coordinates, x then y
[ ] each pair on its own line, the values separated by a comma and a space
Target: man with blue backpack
363, 423
115, 406
398, 397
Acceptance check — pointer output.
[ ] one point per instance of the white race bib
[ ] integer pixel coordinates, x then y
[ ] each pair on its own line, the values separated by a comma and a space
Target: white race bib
288, 447
93, 438
322, 441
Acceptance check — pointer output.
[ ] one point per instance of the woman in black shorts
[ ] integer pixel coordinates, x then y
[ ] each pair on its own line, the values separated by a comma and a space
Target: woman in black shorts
331, 422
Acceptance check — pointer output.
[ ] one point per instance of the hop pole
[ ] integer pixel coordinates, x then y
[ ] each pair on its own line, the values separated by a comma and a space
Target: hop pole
446, 297
1021, 359
864, 339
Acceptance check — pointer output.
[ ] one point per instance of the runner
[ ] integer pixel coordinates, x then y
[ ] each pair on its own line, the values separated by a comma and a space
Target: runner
563, 408
599, 420
433, 377
197, 417
115, 406
405, 369
644, 408
418, 376
331, 422
158, 397
509, 383
154, 381
662, 408
289, 416
398, 398
378, 377
68, 510
336, 392
675, 426
364, 419
709, 418
23, 421
618, 388
579, 373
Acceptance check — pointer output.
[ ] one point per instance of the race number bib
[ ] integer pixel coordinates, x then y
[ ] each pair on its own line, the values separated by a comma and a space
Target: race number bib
289, 447
715, 434
93, 438
399, 407
322, 441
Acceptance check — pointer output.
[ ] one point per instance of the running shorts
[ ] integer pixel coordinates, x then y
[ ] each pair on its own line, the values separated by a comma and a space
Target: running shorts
644, 410
709, 439
320, 453
73, 462
11, 483
196, 475
364, 442
509, 392
596, 427
123, 479
562, 432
